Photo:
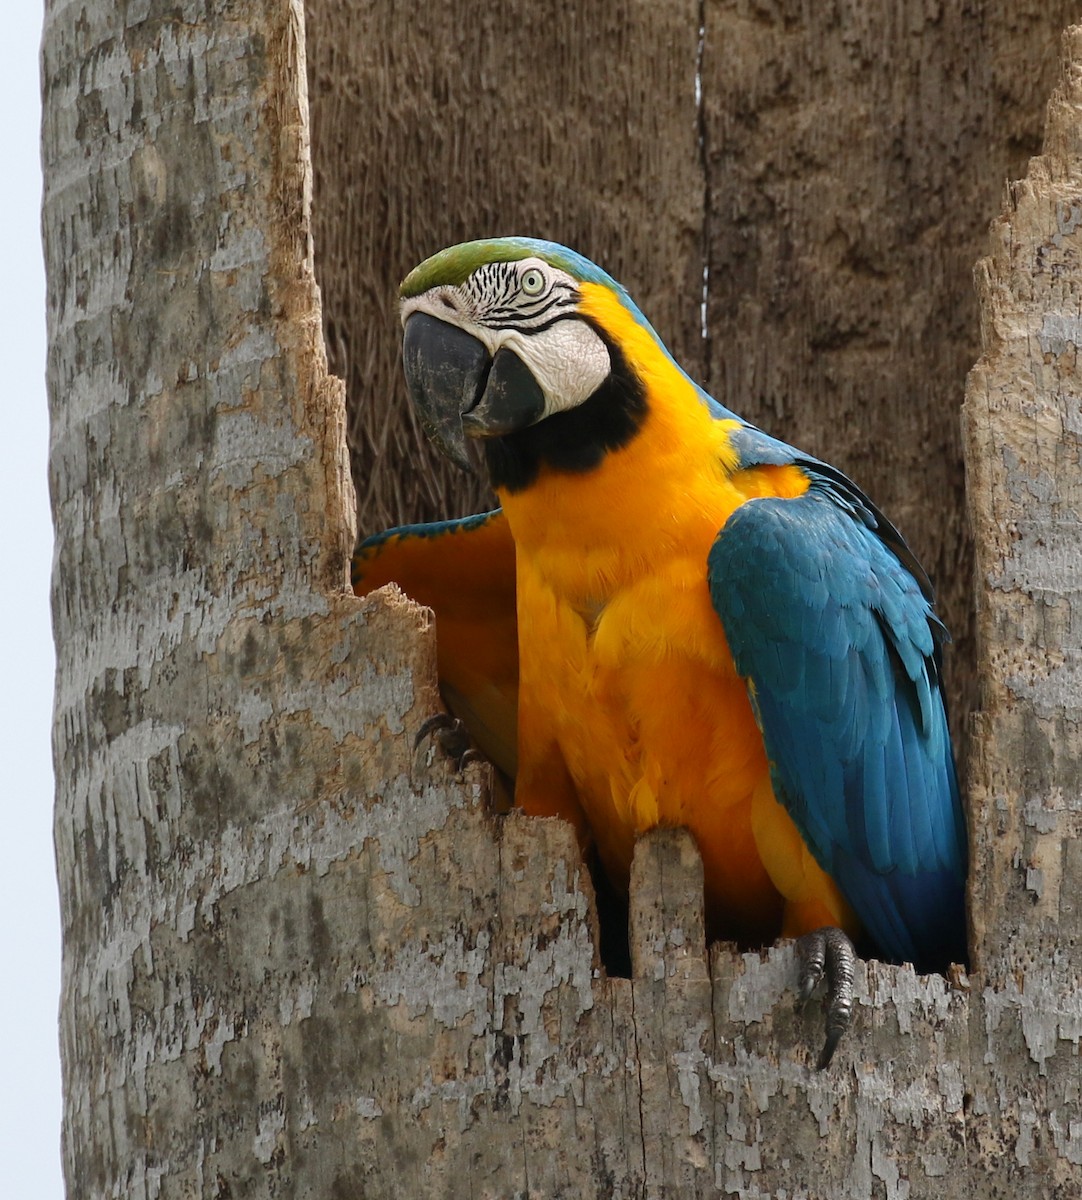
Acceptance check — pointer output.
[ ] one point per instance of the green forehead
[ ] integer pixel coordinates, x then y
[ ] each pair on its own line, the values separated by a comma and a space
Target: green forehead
456, 264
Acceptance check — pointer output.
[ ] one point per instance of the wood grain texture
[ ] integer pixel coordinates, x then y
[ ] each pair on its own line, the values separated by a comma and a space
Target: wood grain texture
303, 960
1023, 426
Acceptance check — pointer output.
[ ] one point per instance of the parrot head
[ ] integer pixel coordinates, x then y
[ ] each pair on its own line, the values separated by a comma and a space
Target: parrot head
512, 341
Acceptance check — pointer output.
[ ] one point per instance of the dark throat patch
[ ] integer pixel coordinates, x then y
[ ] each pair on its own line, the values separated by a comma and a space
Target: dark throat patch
576, 440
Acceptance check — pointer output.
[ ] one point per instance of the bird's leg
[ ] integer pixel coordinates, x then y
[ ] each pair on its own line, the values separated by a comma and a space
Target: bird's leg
829, 952
452, 737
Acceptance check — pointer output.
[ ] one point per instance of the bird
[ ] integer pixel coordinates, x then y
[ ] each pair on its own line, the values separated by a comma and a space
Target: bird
674, 618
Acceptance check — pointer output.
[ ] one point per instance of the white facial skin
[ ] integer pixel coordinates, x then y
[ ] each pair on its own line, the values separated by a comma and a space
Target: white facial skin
513, 305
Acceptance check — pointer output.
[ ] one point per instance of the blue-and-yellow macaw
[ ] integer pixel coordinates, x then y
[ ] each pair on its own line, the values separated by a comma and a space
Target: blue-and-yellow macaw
713, 630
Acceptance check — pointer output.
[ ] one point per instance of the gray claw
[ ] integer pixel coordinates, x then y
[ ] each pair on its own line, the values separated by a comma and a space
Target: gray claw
829, 953
452, 736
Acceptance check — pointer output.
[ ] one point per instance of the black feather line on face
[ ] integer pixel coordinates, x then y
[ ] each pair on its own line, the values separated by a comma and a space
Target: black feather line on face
575, 440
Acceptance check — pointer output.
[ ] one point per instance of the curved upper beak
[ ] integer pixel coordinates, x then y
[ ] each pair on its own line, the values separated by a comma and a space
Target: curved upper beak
458, 390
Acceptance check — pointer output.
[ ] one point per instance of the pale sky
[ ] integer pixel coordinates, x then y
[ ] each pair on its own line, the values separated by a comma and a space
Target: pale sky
29, 924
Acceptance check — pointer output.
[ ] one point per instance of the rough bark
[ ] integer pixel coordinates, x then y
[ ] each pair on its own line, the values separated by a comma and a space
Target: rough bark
1023, 429
300, 960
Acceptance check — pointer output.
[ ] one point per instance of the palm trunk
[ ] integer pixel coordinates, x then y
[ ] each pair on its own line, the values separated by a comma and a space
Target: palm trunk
301, 960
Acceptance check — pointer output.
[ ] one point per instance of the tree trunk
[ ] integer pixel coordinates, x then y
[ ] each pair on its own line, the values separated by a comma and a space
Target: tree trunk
299, 959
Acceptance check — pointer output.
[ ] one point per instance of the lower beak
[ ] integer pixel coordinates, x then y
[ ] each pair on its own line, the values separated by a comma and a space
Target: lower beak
458, 390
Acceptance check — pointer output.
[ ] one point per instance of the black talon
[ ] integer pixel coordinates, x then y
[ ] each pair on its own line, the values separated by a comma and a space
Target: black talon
829, 952
441, 721
452, 736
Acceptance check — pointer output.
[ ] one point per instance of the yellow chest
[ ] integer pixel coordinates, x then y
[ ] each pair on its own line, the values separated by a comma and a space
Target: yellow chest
637, 688
625, 672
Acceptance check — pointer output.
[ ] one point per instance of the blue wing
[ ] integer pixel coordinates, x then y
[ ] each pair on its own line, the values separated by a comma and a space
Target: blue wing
829, 618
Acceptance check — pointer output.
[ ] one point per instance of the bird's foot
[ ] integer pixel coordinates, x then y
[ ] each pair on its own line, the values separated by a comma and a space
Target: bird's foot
828, 953
452, 737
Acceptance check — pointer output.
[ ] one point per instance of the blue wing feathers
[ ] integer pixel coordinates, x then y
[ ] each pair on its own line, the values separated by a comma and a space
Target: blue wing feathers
428, 530
829, 617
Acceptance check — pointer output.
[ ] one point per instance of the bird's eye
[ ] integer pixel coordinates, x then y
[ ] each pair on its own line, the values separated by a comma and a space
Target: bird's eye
532, 281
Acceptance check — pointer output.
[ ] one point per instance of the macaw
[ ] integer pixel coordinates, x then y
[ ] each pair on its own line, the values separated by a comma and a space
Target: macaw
713, 629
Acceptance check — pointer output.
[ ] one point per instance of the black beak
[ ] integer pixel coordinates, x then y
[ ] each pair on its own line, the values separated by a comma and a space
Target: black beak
459, 391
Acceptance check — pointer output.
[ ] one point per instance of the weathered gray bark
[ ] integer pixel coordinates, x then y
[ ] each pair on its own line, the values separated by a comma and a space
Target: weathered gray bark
1023, 428
299, 961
